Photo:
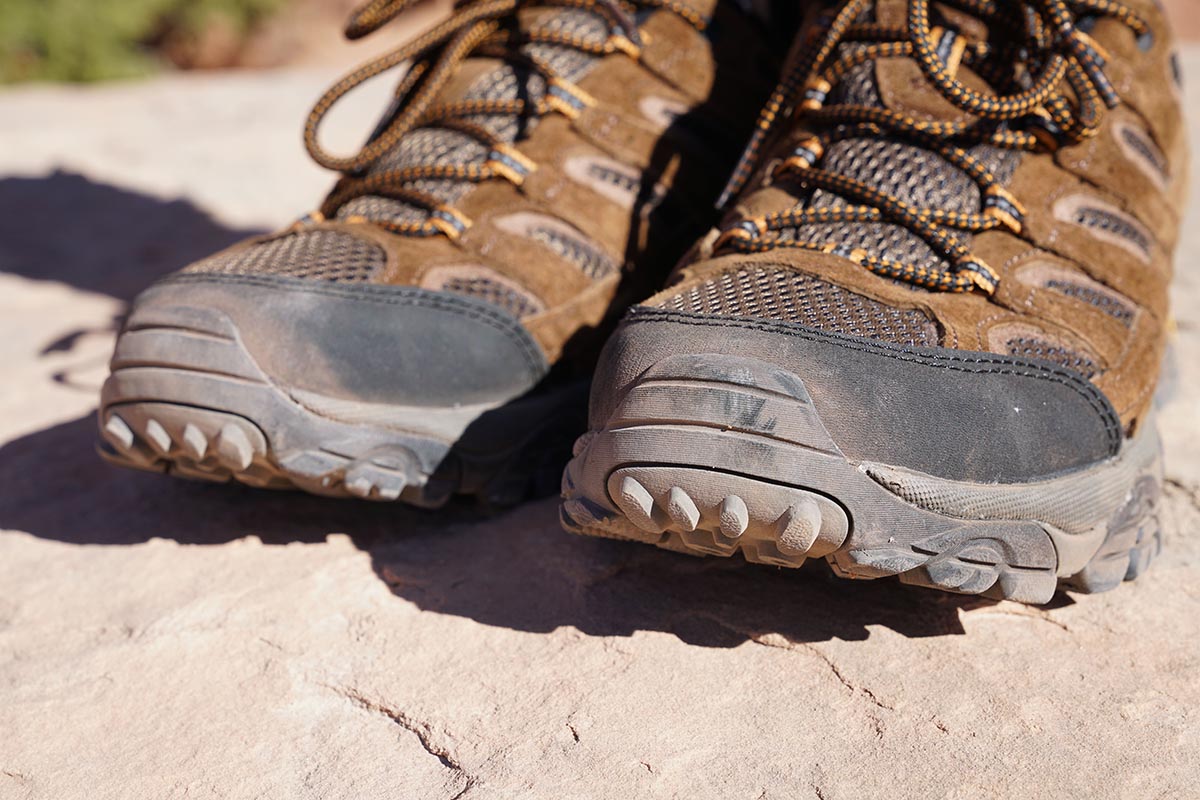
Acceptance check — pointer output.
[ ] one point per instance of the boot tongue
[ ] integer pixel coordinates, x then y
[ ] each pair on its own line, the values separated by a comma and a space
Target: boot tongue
919, 177
482, 79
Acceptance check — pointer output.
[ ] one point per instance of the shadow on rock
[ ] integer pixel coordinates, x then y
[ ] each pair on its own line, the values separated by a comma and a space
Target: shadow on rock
514, 570
100, 238
521, 571
54, 485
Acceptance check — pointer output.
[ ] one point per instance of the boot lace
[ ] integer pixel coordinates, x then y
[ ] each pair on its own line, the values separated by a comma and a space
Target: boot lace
1051, 91
476, 28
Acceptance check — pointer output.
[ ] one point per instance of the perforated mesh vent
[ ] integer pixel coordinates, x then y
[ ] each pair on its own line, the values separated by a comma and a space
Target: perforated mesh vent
1146, 149
317, 255
1113, 224
792, 297
1105, 302
915, 175
1031, 347
621, 180
499, 294
920, 176
590, 261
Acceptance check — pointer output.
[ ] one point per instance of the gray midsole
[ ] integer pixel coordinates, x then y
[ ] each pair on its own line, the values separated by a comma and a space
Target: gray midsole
1074, 508
446, 424
711, 415
1073, 503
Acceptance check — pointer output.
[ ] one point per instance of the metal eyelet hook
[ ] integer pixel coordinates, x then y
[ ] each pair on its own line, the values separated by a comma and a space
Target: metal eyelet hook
622, 21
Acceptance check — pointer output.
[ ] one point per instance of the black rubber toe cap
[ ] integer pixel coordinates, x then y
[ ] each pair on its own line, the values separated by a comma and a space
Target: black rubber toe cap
955, 414
366, 342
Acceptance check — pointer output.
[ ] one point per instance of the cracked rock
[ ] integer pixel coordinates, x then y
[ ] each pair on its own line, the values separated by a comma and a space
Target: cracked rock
160, 639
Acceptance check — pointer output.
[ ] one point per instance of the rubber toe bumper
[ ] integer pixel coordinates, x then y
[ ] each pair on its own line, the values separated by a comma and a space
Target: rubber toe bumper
702, 445
368, 391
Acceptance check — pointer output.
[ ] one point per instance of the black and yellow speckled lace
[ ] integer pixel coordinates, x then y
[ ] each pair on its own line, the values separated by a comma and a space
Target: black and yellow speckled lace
1057, 91
476, 28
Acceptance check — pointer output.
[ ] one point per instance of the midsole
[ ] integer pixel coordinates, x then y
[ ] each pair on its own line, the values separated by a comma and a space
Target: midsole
882, 518
446, 424
1073, 502
1074, 508
741, 425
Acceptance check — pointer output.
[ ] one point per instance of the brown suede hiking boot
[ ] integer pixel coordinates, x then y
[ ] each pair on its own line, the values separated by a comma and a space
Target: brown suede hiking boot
430, 329
926, 340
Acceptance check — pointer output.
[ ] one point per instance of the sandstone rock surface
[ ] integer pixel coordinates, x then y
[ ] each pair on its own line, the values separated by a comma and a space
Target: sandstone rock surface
160, 639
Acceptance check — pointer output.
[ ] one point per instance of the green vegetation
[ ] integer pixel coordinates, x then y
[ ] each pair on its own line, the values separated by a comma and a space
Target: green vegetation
89, 40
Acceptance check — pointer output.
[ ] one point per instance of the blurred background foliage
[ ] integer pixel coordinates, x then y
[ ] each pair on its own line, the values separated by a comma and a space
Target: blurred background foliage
92, 40
89, 40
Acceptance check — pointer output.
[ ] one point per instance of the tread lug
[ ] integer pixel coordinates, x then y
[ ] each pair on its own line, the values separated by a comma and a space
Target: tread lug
638, 505
735, 518
682, 509
119, 433
195, 443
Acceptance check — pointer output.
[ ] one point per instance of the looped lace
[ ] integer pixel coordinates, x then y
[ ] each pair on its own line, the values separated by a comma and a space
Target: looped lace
1051, 89
477, 28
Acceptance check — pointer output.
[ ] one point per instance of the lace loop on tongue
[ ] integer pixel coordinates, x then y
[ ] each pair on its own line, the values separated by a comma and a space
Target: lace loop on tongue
1059, 98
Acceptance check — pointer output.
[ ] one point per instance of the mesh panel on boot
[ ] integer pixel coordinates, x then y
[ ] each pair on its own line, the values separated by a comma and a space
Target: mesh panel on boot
319, 255
514, 302
1115, 224
1031, 347
483, 283
1109, 305
591, 262
1144, 149
445, 147
792, 297
915, 175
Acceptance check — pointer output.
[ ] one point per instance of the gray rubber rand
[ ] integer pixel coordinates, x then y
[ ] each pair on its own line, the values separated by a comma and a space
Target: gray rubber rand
716, 454
185, 397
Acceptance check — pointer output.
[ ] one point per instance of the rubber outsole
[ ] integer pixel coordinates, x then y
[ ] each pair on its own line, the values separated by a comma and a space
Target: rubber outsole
185, 397
717, 455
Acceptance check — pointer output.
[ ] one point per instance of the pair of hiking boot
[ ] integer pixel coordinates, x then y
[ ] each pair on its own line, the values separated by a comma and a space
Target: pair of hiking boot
921, 337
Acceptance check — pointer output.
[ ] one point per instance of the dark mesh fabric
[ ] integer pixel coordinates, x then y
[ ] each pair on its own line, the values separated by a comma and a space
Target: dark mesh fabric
422, 146
1142, 145
913, 174
921, 177
440, 146
319, 255
1115, 224
1031, 347
1106, 303
591, 262
917, 176
792, 297
506, 297
622, 180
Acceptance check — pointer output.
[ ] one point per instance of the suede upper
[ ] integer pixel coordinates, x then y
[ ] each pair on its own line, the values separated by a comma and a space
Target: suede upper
591, 190
1080, 279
